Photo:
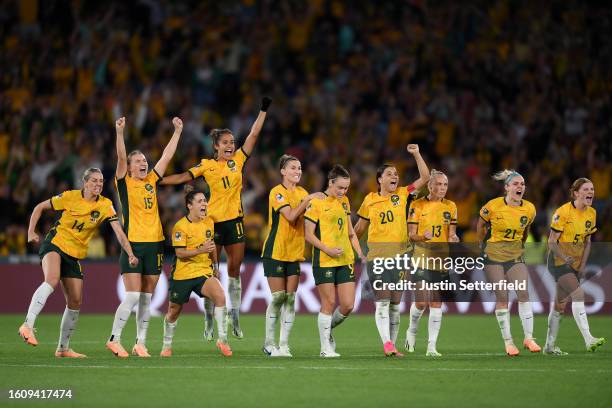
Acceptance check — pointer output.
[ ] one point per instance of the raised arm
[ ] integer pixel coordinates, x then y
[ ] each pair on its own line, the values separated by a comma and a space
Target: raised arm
124, 242
162, 164
121, 153
413, 149
180, 178
251, 140
36, 213
292, 214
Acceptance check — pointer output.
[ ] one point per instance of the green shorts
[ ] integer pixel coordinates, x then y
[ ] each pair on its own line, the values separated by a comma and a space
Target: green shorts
430, 276
333, 274
558, 271
70, 266
280, 269
387, 276
179, 291
150, 258
229, 232
506, 265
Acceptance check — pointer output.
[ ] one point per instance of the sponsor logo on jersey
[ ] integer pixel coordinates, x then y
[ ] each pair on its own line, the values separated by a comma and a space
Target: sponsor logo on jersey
524, 220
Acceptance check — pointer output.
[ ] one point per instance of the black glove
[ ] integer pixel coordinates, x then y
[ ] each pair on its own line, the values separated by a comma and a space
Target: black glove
265, 103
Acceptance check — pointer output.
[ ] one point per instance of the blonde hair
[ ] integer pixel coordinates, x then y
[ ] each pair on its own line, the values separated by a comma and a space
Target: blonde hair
432, 175
87, 173
506, 175
577, 184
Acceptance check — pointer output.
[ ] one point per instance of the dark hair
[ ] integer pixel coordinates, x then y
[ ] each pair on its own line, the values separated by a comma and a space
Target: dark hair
286, 158
577, 184
216, 134
337, 171
191, 193
379, 172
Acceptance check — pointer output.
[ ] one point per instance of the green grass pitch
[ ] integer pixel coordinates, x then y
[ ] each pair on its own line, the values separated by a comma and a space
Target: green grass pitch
473, 371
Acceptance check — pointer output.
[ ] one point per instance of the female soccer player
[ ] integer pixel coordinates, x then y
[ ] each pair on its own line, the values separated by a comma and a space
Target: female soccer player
223, 175
383, 215
328, 228
82, 211
137, 189
502, 229
569, 246
283, 250
195, 269
432, 223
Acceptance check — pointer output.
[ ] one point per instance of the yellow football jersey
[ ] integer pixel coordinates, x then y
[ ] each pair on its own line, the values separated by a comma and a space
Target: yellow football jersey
138, 199
285, 241
574, 225
331, 216
190, 235
435, 217
224, 178
507, 226
387, 232
78, 222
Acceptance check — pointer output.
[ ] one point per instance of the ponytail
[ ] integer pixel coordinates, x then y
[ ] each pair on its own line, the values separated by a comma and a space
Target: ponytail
506, 176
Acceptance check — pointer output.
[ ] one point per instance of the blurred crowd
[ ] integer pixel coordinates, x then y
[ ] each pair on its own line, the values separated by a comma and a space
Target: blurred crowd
480, 87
